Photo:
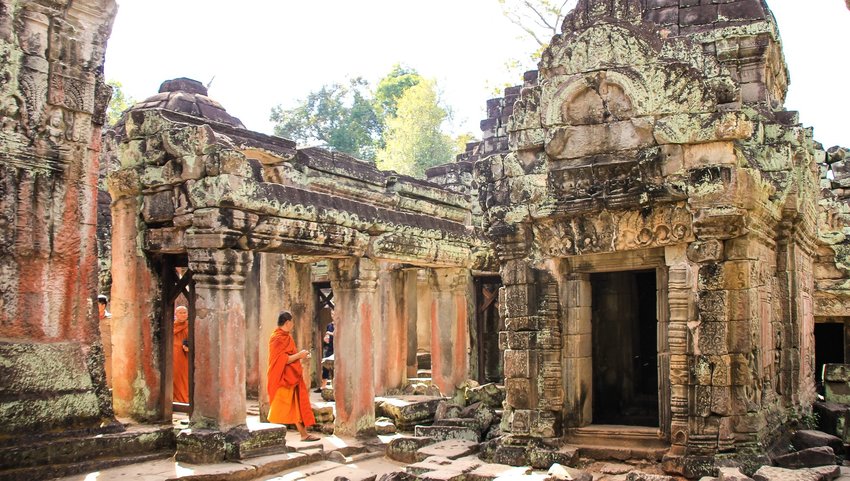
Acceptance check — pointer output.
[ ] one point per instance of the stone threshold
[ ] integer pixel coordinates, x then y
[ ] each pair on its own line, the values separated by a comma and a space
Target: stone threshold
618, 442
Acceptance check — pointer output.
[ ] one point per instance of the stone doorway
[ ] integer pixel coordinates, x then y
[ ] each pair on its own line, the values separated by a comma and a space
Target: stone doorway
324, 316
178, 291
830, 343
625, 350
488, 323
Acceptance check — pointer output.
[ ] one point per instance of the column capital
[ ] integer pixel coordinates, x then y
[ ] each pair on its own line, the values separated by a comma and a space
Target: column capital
354, 273
220, 268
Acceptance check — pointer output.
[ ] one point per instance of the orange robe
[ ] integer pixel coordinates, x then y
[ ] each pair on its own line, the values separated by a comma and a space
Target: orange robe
288, 393
181, 363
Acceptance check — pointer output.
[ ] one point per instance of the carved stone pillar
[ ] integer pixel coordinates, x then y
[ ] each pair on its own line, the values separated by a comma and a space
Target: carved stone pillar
219, 388
138, 367
272, 275
390, 336
452, 309
219, 360
299, 299
423, 311
411, 308
354, 283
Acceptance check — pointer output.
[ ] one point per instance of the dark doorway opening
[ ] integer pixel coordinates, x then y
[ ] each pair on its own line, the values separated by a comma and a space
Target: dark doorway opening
625, 348
323, 333
829, 346
488, 323
178, 350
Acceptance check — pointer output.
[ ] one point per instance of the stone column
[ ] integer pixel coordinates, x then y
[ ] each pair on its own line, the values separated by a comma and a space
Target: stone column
299, 299
423, 312
453, 307
219, 388
411, 308
252, 329
271, 303
390, 336
354, 282
139, 361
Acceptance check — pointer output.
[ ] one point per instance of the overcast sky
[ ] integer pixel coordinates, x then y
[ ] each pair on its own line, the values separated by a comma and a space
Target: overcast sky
260, 53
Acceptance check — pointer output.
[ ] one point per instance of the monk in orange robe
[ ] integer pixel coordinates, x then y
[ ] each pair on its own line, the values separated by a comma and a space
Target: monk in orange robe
181, 355
290, 399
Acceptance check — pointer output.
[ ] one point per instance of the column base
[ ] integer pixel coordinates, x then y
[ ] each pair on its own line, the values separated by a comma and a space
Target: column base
207, 446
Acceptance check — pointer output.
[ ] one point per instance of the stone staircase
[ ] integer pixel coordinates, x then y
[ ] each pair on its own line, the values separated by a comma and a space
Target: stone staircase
56, 457
616, 442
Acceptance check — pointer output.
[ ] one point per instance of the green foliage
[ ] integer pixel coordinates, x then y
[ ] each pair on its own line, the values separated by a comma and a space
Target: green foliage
118, 103
337, 117
413, 138
391, 88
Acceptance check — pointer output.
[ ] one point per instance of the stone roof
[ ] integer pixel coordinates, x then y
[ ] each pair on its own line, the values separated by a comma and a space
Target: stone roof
188, 97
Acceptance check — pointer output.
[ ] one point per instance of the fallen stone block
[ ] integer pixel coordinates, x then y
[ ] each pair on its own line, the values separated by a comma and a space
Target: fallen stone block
397, 476
452, 449
809, 438
807, 458
404, 448
408, 411
641, 476
732, 474
444, 433
772, 473
490, 471
489, 394
511, 455
470, 423
543, 458
446, 410
485, 415
440, 463
564, 473
384, 426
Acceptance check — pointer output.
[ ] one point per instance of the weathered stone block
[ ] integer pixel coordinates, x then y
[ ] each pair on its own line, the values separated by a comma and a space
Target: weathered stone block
201, 446
267, 439
807, 458
445, 433
404, 448
452, 449
809, 438
771, 473
543, 458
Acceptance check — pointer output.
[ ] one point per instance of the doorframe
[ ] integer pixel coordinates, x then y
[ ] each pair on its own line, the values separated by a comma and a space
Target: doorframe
577, 333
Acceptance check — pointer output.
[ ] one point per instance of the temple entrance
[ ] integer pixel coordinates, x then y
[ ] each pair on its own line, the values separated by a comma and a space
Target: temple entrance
625, 350
324, 317
485, 339
178, 294
830, 344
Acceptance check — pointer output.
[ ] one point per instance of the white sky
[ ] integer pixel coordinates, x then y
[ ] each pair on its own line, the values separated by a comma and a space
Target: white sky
268, 52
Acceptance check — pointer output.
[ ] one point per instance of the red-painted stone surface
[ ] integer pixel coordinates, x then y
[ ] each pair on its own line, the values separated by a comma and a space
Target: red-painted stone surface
52, 102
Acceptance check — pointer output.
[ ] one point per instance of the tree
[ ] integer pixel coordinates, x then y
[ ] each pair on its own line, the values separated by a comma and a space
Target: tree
336, 117
391, 88
539, 19
413, 138
118, 103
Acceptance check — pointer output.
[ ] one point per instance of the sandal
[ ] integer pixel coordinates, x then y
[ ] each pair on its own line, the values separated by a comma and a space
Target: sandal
310, 438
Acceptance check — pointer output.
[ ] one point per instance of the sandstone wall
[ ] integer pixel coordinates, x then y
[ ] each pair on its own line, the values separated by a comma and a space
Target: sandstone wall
52, 101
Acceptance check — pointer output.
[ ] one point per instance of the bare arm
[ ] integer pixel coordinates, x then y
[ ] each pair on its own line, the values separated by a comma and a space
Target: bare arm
298, 356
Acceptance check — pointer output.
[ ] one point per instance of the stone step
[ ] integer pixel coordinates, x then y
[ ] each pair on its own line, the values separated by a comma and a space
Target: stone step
58, 470
135, 440
622, 436
619, 453
445, 433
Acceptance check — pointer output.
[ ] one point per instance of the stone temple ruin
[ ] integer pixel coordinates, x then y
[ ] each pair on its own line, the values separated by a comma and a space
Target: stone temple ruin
646, 182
